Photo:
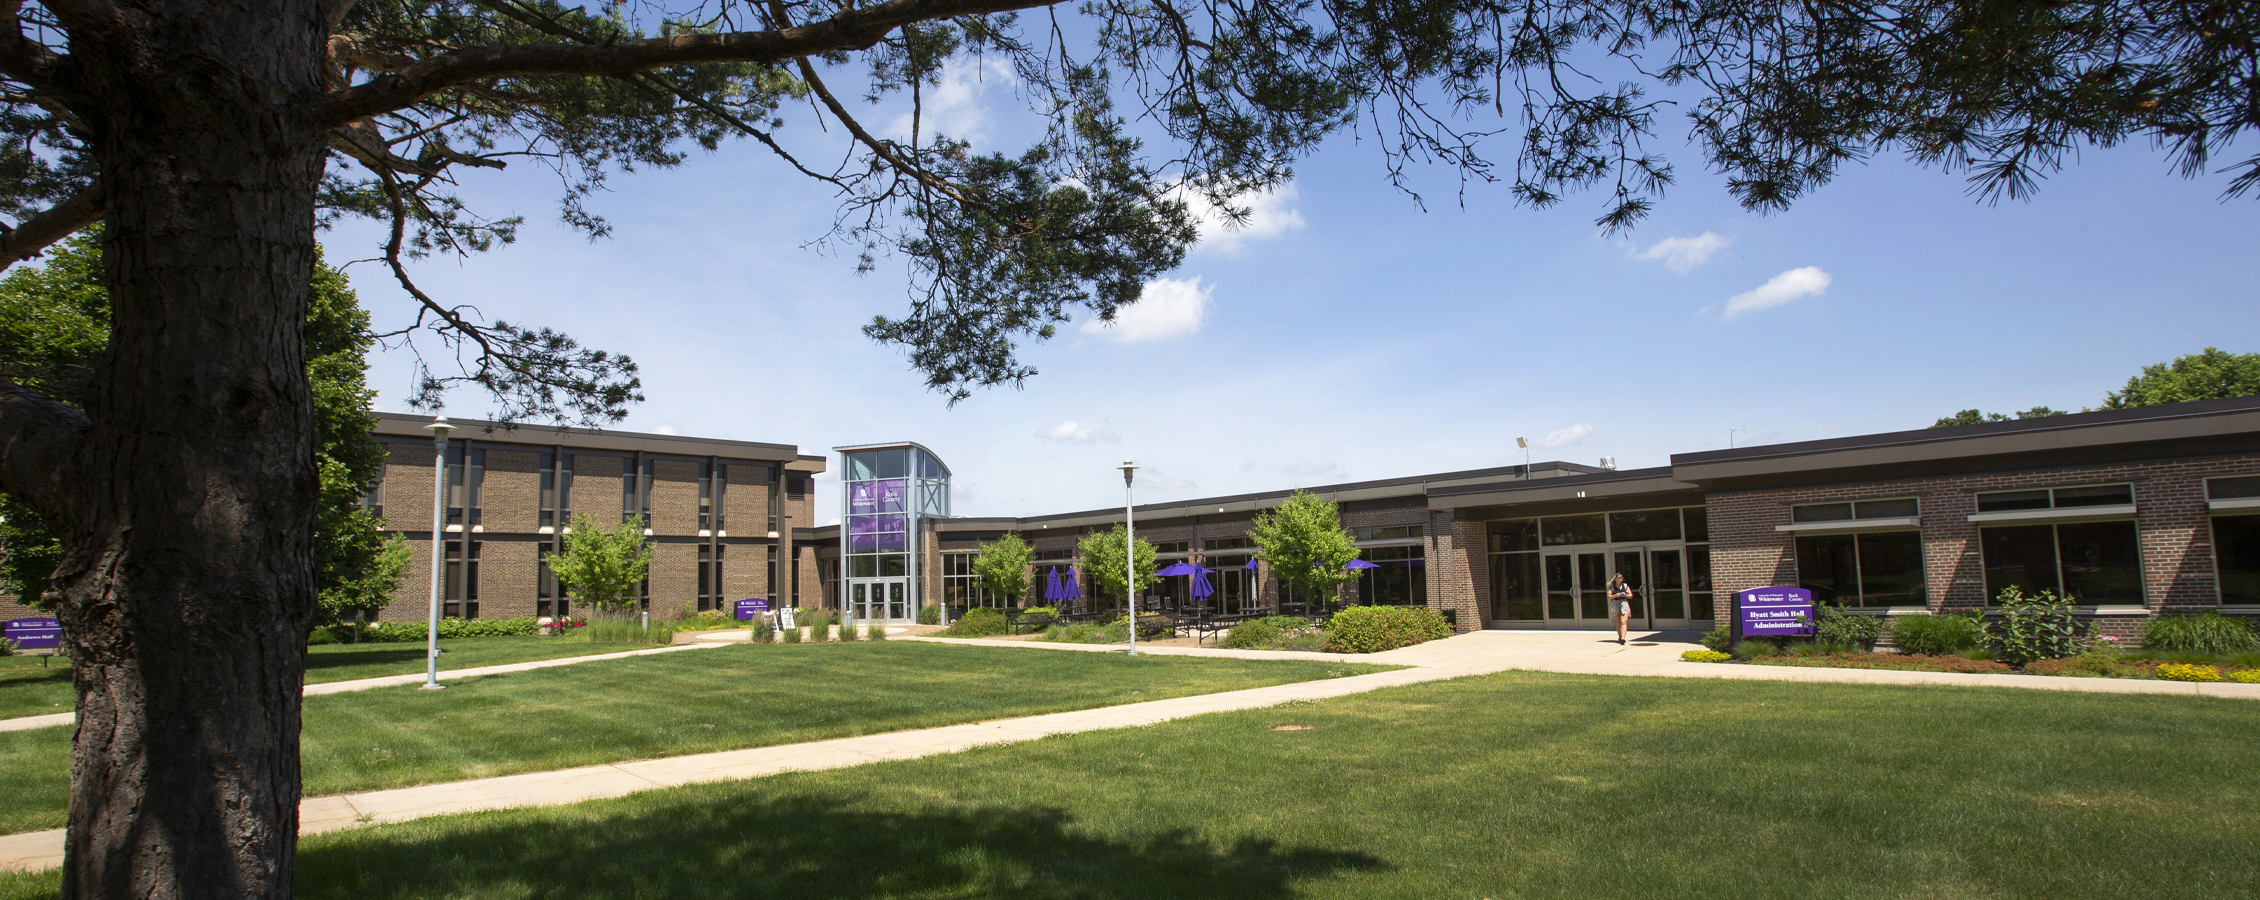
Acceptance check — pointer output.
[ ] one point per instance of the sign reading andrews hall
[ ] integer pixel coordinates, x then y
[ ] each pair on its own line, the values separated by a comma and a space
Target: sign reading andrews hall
1775, 611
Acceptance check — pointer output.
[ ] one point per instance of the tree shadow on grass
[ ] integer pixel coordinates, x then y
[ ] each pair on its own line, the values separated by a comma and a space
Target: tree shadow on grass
819, 847
405, 653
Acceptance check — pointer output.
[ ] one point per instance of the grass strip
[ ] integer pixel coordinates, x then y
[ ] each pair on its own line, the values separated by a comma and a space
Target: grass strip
28, 688
672, 705
1521, 785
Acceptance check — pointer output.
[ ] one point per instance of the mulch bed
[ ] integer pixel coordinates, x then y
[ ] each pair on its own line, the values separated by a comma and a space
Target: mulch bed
1906, 661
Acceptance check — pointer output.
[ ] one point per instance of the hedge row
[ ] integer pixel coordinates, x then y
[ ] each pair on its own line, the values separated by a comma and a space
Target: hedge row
401, 632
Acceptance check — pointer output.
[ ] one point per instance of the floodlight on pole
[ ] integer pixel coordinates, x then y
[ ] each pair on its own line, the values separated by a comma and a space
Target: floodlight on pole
1524, 443
440, 429
1130, 553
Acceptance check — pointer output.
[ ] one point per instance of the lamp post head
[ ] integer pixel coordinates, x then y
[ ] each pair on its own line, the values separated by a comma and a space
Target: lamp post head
1128, 469
1524, 443
440, 429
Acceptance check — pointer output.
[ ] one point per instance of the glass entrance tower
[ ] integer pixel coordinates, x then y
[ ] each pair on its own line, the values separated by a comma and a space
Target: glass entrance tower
890, 490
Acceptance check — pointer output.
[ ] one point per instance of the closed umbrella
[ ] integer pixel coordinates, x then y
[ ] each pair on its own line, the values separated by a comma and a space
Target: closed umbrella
1051, 586
1072, 588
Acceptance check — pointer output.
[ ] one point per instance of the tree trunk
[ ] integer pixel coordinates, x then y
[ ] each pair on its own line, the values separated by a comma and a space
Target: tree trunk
186, 586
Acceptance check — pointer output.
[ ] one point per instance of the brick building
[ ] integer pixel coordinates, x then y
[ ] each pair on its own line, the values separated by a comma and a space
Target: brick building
720, 514
2132, 513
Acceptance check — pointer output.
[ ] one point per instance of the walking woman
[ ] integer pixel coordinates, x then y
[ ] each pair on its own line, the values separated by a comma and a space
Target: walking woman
1620, 605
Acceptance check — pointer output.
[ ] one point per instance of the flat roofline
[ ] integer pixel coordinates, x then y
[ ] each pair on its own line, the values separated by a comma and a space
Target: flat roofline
391, 424
2068, 423
889, 445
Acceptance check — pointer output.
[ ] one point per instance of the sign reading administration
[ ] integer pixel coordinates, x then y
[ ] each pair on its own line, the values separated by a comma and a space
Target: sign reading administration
1775, 611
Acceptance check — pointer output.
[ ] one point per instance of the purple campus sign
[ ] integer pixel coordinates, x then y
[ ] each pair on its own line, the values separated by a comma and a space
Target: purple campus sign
1775, 611
753, 608
30, 633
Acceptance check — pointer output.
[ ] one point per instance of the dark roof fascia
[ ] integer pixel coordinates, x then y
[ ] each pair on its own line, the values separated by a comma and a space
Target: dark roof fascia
2115, 434
1408, 486
398, 426
1626, 483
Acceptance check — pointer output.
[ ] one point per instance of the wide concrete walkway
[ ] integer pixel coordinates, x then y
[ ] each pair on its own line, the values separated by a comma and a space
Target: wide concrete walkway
1649, 654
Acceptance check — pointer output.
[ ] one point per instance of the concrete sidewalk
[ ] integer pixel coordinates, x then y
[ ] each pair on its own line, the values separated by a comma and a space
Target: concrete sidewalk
26, 723
1653, 654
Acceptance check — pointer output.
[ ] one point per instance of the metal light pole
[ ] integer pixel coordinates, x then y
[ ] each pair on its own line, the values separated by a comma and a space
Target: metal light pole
440, 430
1130, 554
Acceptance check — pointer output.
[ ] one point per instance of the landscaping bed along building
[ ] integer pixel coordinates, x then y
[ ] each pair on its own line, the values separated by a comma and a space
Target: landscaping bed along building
2029, 636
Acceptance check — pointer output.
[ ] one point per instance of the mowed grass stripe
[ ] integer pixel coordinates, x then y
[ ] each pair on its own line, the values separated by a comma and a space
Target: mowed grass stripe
672, 705
30, 686
1519, 785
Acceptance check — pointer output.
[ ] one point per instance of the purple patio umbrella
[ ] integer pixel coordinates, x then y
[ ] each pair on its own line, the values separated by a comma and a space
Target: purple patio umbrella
1357, 564
1051, 586
1200, 588
1071, 588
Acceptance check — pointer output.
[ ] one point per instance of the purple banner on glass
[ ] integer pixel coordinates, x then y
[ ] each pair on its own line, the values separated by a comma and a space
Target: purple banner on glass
1775, 611
866, 543
31, 633
876, 524
753, 608
878, 497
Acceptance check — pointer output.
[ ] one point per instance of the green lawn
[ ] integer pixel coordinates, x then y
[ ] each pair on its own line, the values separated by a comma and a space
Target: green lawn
675, 704
27, 689
1520, 785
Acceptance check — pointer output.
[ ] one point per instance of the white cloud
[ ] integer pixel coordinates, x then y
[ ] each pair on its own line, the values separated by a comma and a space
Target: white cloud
1169, 308
1684, 253
1778, 290
1164, 482
1071, 432
954, 107
1567, 436
1270, 214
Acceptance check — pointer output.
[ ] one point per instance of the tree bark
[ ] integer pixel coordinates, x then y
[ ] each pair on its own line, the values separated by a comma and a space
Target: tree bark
186, 586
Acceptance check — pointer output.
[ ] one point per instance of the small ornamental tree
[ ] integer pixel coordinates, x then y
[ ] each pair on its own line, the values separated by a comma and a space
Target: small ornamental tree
1304, 542
1001, 567
1102, 557
603, 564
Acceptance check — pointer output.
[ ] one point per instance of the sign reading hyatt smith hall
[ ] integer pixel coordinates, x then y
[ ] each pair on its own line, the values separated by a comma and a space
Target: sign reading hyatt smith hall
1775, 611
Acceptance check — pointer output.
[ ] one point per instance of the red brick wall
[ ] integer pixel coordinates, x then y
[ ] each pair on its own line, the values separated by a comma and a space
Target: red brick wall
2171, 521
510, 492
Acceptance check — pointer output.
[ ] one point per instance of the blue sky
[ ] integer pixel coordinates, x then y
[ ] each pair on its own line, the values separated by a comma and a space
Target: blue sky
1349, 334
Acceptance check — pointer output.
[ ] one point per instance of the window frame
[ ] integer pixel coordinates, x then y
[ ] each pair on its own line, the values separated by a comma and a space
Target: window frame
2056, 546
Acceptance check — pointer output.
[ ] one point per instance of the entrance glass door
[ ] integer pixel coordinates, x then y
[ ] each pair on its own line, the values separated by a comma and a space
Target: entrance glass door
1561, 588
882, 599
1593, 588
1667, 589
1632, 564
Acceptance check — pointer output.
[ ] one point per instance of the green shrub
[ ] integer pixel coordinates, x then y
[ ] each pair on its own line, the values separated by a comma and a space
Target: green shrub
1802, 648
792, 635
2039, 627
1372, 629
8, 647
2206, 632
1252, 634
1939, 635
1835, 629
876, 632
1709, 656
763, 632
929, 615
322, 634
816, 621
710, 618
847, 632
1756, 648
1115, 632
451, 627
1719, 640
980, 621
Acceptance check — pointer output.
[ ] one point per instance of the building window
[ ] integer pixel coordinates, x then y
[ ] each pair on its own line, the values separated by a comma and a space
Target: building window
705, 496
1235, 543
2056, 498
1517, 594
1853, 510
710, 560
1173, 547
1399, 576
466, 469
548, 489
549, 596
374, 500
1389, 532
1559, 530
1699, 583
2090, 563
1235, 585
635, 489
960, 589
460, 596
1875, 569
1644, 525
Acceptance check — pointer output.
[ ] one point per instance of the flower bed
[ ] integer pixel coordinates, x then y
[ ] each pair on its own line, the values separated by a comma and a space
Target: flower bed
1906, 661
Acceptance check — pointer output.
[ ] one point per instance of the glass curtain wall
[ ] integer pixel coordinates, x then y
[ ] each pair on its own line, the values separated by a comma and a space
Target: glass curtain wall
888, 490
1555, 570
